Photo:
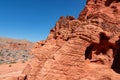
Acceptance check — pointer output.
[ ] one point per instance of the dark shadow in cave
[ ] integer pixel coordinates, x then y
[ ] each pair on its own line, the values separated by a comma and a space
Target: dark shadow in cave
102, 47
116, 62
108, 2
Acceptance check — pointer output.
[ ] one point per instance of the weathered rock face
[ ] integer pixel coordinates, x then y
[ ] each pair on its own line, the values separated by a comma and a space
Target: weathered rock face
61, 55
103, 13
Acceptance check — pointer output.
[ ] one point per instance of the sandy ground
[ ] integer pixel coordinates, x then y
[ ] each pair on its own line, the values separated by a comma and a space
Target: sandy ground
8, 70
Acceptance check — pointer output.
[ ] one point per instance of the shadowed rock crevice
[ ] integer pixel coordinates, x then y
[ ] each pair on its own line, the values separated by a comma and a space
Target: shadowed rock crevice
102, 47
108, 2
116, 62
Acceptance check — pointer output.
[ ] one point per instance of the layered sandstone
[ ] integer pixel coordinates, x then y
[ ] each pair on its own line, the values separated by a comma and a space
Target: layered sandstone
103, 13
61, 55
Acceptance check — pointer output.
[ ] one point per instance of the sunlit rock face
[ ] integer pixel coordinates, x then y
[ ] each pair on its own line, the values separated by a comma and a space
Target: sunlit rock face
103, 13
61, 55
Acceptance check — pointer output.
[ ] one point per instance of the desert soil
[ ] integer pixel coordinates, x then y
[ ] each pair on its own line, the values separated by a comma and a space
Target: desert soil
10, 70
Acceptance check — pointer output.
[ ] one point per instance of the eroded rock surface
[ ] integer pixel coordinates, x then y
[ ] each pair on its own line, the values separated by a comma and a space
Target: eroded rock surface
61, 55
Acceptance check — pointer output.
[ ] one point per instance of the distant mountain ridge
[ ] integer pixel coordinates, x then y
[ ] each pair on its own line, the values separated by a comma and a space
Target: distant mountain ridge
13, 50
13, 39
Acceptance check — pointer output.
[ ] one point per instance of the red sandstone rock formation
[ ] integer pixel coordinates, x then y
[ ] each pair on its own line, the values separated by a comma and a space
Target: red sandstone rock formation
61, 55
103, 13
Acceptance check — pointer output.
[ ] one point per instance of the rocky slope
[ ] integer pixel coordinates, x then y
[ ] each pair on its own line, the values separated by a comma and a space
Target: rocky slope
12, 50
61, 55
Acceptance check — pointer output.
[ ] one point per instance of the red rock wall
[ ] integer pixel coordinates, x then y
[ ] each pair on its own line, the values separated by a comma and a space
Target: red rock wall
61, 55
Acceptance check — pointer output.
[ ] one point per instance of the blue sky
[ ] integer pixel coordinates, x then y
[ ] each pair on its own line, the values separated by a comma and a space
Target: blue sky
33, 19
